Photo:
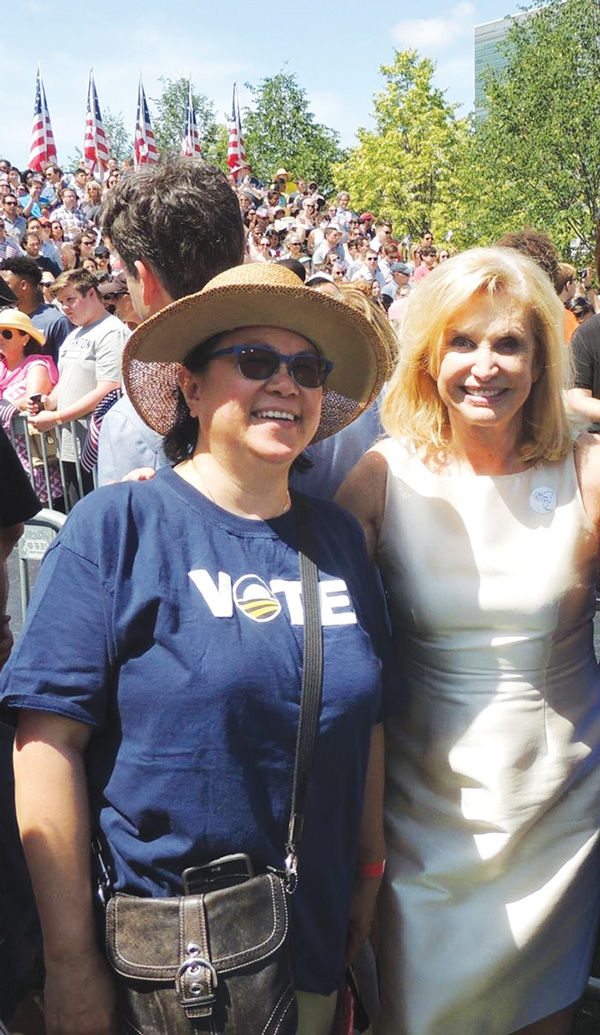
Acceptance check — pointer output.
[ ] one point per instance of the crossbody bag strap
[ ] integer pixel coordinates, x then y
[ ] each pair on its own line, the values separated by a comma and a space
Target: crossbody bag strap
312, 684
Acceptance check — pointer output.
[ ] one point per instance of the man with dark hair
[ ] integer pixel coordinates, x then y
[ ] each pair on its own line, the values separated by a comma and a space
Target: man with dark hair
89, 365
428, 261
71, 217
54, 183
15, 224
79, 182
30, 203
174, 226
584, 397
33, 249
388, 254
383, 234
180, 221
23, 276
332, 243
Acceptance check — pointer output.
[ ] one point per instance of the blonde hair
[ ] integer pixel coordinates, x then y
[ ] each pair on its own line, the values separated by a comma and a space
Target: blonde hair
564, 273
413, 406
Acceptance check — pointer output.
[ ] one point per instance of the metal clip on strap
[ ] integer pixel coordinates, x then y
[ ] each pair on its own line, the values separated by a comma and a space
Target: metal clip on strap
104, 888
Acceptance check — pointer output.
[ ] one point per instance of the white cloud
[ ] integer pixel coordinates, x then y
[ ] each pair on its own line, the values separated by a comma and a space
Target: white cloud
436, 34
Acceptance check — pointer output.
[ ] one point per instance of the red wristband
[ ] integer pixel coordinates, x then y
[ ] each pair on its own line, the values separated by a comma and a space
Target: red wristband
373, 869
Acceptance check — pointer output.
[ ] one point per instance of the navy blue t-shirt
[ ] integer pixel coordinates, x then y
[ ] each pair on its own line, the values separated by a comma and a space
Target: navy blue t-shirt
175, 629
55, 326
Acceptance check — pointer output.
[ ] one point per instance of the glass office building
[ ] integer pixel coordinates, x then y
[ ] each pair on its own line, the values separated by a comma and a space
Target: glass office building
487, 40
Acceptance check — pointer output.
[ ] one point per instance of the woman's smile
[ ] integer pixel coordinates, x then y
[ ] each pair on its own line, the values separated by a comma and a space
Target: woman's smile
272, 419
488, 365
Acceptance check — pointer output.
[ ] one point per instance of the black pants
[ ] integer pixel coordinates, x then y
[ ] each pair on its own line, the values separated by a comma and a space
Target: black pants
73, 491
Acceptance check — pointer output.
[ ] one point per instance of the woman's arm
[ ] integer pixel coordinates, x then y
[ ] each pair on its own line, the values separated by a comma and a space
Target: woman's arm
363, 494
37, 383
371, 850
48, 402
53, 815
46, 419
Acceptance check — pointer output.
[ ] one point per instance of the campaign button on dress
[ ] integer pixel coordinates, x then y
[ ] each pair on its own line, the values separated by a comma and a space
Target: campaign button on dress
543, 499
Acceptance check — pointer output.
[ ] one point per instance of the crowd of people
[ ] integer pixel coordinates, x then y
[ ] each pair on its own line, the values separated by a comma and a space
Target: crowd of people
243, 348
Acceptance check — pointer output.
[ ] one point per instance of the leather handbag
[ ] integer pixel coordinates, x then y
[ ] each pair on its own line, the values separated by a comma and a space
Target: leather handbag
218, 962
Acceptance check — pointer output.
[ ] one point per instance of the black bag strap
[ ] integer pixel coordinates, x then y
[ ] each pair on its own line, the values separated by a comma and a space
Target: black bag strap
310, 702
312, 684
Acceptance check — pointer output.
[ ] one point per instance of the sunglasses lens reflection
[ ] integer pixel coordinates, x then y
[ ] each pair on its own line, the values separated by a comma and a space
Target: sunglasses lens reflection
261, 364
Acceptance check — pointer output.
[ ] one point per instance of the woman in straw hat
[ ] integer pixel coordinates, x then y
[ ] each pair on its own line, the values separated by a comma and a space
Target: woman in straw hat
180, 627
24, 372
484, 518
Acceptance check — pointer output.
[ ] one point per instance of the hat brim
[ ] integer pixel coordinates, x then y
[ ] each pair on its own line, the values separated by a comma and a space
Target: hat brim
157, 348
13, 325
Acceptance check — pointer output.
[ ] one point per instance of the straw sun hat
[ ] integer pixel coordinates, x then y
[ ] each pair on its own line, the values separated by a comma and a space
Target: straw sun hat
260, 294
18, 321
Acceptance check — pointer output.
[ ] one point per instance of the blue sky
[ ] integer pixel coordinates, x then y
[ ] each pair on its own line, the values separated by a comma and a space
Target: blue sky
335, 48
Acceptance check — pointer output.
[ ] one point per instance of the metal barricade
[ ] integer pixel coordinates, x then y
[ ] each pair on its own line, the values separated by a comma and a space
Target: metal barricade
39, 533
43, 457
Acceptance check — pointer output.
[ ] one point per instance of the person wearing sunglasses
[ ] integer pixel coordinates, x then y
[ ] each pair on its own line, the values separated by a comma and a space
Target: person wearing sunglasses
25, 372
181, 645
116, 298
15, 224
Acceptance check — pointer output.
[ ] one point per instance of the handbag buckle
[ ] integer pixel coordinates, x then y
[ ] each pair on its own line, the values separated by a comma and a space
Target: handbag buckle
196, 983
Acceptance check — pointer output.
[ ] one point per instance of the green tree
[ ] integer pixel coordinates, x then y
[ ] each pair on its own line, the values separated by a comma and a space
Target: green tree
405, 167
279, 129
169, 120
534, 158
120, 143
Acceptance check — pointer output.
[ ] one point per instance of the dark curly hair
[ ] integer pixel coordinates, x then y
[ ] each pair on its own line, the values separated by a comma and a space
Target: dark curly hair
538, 246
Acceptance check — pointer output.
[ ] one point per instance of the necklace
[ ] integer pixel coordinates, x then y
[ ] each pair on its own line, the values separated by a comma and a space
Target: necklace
205, 489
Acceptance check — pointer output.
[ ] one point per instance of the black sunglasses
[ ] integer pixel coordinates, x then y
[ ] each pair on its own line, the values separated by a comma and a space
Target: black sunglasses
114, 295
8, 335
260, 362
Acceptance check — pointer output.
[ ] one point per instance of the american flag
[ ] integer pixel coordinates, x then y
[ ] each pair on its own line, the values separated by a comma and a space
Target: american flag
190, 145
95, 147
145, 144
42, 148
236, 155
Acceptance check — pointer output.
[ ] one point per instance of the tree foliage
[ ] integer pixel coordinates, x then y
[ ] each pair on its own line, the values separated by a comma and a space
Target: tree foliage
534, 158
119, 141
405, 167
280, 130
168, 120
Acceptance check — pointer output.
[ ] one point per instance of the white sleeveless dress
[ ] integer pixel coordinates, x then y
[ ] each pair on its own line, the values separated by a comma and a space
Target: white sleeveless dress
493, 770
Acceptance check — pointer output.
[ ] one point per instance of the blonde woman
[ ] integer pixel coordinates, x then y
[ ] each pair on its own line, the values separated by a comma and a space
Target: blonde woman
484, 516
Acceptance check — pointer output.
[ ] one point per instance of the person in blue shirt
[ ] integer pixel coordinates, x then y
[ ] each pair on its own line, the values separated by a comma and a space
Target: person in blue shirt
161, 698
